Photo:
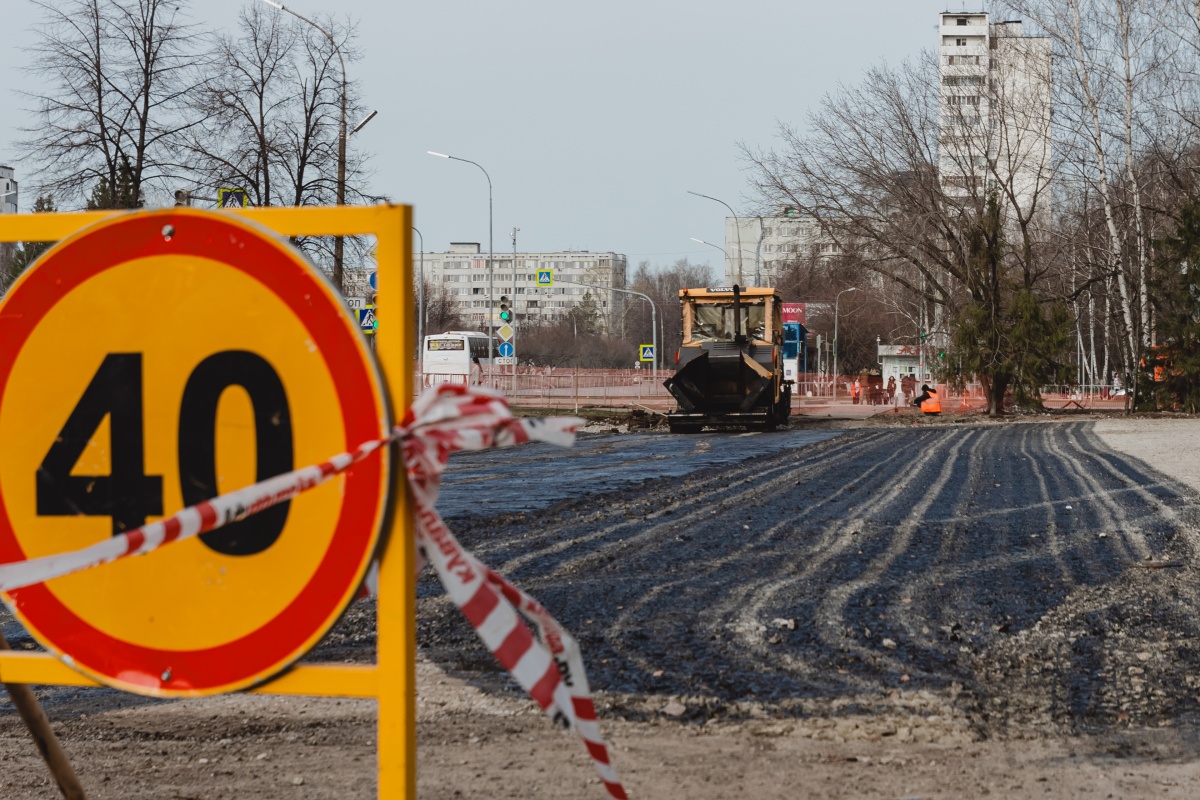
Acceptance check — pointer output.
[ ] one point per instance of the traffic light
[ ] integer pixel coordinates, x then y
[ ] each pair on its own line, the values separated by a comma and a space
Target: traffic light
923, 335
506, 314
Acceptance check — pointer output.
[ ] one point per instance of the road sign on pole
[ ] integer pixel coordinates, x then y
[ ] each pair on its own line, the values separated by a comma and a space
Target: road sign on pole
367, 321
646, 352
136, 421
545, 277
232, 198
505, 349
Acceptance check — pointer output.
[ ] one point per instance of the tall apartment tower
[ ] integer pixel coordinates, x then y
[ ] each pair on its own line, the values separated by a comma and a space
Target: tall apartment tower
8, 205
994, 110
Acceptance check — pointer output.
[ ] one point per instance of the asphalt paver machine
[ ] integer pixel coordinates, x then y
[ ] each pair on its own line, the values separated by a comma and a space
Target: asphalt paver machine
730, 366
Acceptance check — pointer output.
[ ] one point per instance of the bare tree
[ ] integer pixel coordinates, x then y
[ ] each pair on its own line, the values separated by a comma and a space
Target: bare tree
441, 310
118, 74
1117, 70
936, 211
268, 111
662, 285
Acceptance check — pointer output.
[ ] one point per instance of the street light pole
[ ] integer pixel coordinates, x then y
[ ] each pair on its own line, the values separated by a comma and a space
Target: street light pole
653, 316
737, 226
421, 297
837, 300
710, 244
491, 301
762, 232
338, 241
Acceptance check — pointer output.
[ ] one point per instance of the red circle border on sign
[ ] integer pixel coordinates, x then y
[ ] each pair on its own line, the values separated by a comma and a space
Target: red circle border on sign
260, 654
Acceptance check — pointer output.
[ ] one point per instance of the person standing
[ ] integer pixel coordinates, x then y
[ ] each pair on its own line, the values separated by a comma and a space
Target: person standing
856, 391
476, 372
891, 389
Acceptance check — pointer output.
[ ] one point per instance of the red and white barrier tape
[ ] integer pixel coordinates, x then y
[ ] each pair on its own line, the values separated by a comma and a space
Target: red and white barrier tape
444, 419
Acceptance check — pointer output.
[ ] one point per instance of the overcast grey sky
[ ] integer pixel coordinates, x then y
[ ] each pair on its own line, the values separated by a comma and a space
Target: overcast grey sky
593, 119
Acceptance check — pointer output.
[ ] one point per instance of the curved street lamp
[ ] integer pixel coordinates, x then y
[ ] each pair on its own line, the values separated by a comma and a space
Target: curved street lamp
491, 303
736, 224
710, 244
837, 300
653, 315
421, 297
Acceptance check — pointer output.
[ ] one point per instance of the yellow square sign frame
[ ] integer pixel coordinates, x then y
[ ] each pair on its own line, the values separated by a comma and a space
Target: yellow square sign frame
642, 348
391, 680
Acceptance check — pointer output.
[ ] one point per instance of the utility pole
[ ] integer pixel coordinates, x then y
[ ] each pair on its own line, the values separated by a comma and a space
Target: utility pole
513, 289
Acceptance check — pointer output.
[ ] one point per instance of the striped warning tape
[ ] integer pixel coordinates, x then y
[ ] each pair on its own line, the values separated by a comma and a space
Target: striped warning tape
444, 419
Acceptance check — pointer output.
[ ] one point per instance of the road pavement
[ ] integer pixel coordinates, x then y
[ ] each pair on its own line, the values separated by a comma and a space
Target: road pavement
1027, 574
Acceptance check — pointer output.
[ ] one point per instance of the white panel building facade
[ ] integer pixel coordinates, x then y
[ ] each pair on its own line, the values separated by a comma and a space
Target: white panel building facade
462, 272
8, 190
8, 205
994, 112
768, 244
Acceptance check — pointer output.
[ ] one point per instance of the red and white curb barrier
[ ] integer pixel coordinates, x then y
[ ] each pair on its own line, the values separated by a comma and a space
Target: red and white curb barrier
443, 420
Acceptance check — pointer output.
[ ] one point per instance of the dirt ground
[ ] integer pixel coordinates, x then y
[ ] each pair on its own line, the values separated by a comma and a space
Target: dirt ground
478, 738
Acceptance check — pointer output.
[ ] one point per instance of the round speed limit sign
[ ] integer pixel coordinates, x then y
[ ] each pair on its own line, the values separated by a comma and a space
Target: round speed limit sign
148, 363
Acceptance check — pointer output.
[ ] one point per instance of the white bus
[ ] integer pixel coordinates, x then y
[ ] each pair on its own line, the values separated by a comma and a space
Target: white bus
448, 357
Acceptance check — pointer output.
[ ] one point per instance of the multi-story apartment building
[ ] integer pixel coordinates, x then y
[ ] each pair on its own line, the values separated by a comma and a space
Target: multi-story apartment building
995, 109
462, 272
8, 205
768, 244
8, 191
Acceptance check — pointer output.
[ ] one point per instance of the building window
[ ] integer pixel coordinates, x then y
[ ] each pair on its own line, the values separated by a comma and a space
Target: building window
963, 99
963, 80
960, 42
962, 20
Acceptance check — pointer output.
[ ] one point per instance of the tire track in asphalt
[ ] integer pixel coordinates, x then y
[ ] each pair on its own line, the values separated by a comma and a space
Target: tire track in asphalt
744, 626
829, 545
952, 541
834, 606
1160, 496
715, 488
913, 623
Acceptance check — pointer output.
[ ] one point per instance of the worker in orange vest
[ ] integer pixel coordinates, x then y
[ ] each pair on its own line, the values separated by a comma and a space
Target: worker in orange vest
856, 391
928, 400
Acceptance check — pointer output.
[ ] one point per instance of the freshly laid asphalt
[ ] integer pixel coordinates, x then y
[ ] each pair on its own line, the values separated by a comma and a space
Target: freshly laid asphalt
1005, 565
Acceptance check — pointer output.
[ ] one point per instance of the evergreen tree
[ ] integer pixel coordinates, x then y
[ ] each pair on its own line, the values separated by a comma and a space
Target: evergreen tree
1171, 374
123, 195
585, 317
1006, 334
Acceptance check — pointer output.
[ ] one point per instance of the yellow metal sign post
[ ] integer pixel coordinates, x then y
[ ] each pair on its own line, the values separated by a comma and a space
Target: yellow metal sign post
392, 679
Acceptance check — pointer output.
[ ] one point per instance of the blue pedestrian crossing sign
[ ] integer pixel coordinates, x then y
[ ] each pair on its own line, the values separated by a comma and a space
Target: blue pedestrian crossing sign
545, 277
647, 352
367, 322
229, 197
371, 280
505, 349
